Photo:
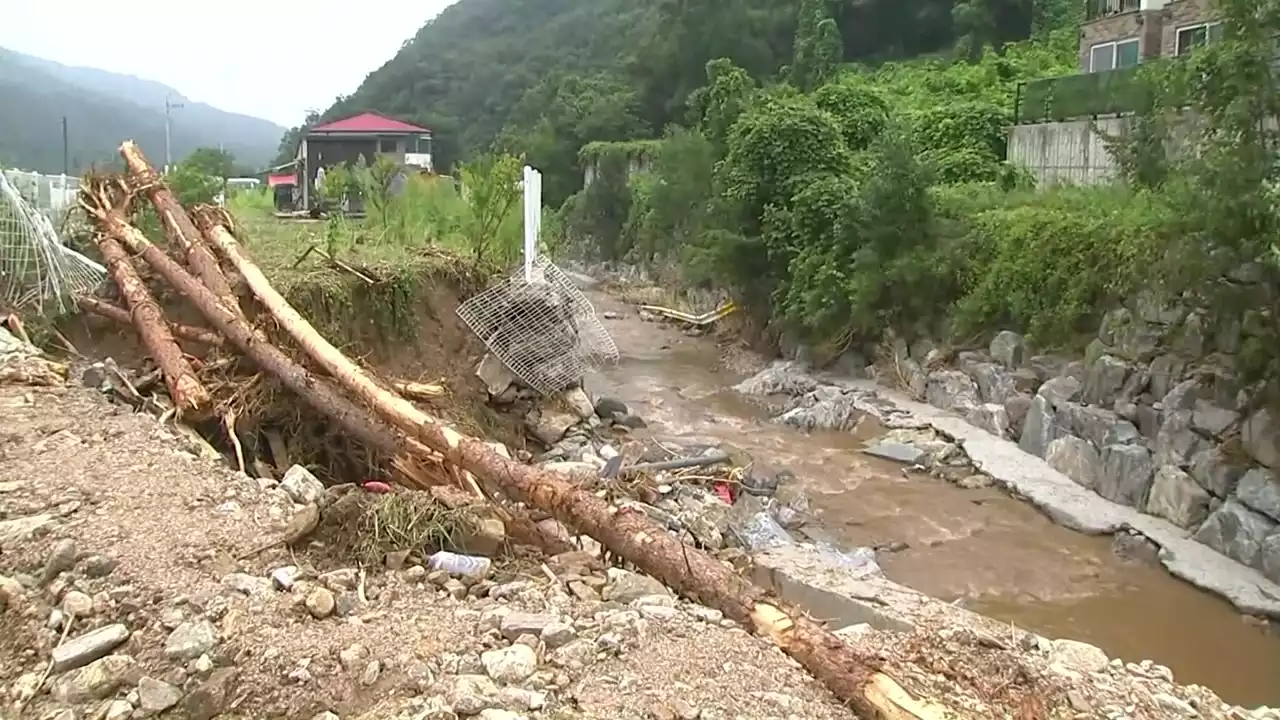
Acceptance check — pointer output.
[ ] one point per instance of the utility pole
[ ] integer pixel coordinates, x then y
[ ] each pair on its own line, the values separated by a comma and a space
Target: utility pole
168, 134
66, 156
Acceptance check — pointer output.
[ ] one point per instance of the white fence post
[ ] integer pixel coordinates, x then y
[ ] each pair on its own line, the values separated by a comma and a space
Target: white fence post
532, 218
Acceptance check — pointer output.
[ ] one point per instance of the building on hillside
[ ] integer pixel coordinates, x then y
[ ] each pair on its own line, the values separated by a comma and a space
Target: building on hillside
1119, 34
367, 135
1062, 125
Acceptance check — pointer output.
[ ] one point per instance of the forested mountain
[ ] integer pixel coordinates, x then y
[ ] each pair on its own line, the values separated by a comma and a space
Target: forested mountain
613, 69
103, 108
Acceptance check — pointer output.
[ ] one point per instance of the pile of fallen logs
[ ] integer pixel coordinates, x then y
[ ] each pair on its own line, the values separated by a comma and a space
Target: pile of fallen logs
201, 252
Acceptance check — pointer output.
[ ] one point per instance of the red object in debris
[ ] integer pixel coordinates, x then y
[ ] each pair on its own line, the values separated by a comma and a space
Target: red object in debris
376, 486
723, 491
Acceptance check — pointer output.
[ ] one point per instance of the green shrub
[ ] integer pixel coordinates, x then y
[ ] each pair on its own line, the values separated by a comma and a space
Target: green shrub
1051, 263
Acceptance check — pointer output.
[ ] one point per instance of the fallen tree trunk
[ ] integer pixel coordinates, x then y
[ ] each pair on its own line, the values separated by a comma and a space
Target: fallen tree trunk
314, 391
190, 398
629, 533
177, 226
120, 315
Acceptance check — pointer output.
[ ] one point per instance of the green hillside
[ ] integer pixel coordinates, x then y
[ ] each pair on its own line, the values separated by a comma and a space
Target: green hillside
102, 109
485, 65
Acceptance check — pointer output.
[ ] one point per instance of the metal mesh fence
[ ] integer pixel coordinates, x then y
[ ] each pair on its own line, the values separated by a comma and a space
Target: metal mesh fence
37, 272
543, 329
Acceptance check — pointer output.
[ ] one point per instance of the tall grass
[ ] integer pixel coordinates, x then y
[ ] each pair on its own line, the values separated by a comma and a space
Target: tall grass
482, 220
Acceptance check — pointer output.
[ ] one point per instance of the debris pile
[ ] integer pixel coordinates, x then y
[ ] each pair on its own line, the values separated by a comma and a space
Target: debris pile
265, 337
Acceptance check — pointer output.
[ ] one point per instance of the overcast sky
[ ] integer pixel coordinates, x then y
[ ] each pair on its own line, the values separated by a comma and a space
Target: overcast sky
238, 55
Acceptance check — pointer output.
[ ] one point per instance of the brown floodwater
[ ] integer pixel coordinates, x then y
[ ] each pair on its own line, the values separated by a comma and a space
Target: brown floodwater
978, 547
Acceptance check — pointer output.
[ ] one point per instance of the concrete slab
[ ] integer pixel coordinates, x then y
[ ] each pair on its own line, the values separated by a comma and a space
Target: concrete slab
803, 576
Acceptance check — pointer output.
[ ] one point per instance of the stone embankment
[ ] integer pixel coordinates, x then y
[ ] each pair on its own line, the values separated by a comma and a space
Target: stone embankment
1149, 434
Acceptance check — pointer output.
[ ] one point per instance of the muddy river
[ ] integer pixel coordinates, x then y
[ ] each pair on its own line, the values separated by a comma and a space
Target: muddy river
990, 553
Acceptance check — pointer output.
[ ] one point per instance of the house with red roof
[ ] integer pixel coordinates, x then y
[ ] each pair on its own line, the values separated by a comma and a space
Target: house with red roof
368, 135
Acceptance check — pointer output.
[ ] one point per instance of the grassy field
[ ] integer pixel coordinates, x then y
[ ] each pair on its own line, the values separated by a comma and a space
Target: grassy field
429, 225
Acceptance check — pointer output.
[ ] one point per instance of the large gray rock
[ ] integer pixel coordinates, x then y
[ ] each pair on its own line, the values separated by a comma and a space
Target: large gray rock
1212, 420
826, 408
990, 417
995, 384
88, 647
1104, 380
190, 640
1007, 348
1181, 396
1237, 532
1099, 426
1259, 489
1261, 436
1046, 367
1076, 458
1127, 472
1060, 390
1215, 472
1166, 371
1177, 498
1137, 340
1038, 428
1149, 420
783, 377
1269, 557
951, 390
1015, 408
98, 680
1177, 442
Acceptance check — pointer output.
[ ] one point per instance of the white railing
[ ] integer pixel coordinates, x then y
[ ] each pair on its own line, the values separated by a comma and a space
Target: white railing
51, 194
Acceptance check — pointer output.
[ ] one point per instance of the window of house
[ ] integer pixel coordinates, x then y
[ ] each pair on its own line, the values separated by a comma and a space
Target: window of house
1193, 36
1112, 55
386, 145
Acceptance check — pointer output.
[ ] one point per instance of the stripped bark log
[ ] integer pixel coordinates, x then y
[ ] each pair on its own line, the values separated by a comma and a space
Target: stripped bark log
629, 533
177, 226
120, 315
190, 398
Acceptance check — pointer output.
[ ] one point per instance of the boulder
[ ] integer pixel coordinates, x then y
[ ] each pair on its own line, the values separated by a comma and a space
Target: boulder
995, 383
1176, 497
1104, 380
1261, 436
1237, 532
1060, 390
1076, 458
1215, 472
1127, 472
1038, 428
1259, 490
1016, 408
951, 390
1177, 442
1008, 348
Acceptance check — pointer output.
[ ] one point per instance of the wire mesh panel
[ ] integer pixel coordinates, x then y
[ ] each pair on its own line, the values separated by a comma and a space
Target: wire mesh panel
37, 272
542, 328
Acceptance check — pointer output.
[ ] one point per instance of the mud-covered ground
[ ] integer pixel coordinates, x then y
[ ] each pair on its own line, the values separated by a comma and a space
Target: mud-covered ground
121, 597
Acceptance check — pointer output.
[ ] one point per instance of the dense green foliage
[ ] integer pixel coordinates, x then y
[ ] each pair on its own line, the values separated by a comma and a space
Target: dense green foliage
840, 169
101, 110
487, 68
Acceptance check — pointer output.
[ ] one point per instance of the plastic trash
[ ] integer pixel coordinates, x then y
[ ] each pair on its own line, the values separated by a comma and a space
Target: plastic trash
457, 564
860, 561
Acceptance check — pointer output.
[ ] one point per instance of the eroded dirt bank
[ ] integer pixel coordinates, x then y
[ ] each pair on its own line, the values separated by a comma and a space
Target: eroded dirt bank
971, 545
